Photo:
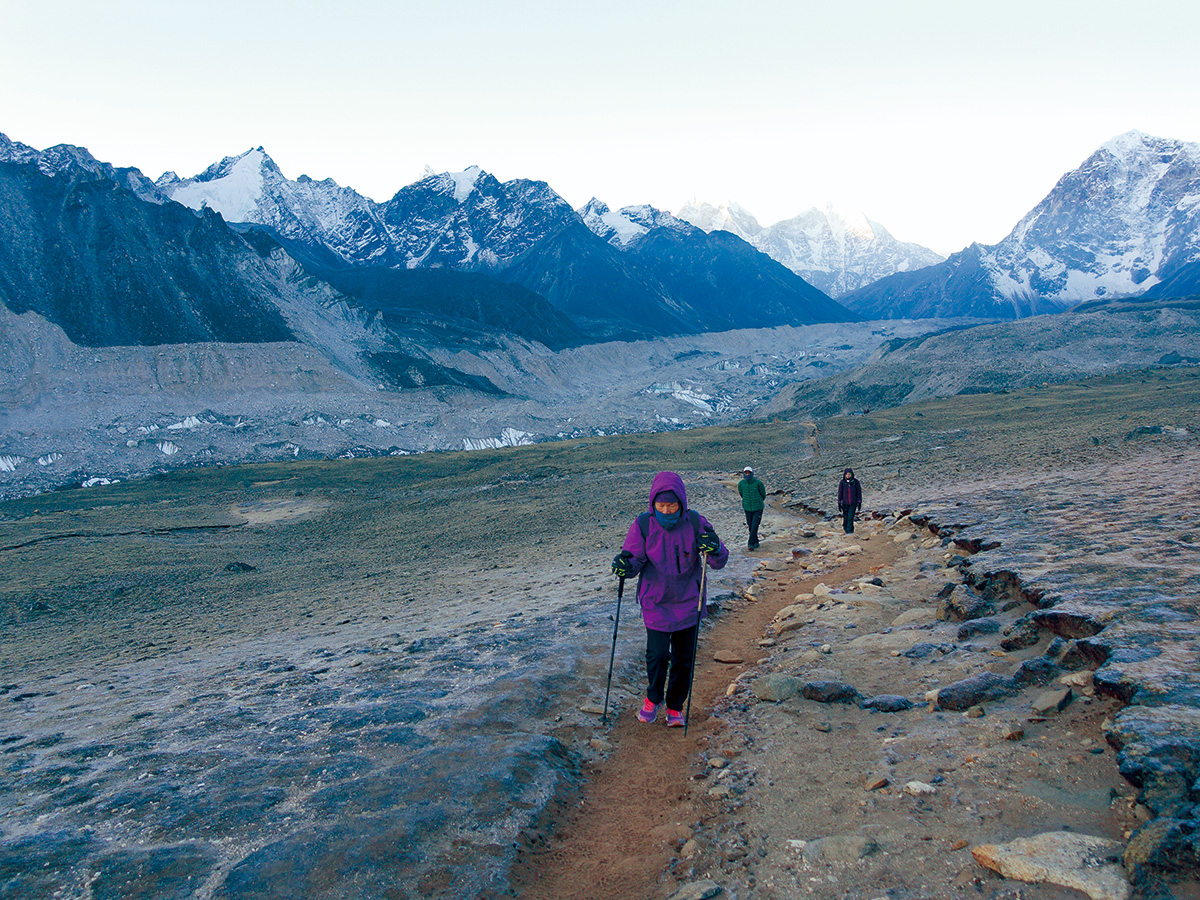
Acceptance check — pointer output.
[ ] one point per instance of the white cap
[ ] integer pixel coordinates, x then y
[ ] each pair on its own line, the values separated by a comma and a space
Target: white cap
747, 469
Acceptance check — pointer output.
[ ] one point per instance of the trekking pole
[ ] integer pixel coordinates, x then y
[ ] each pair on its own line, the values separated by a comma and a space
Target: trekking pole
687, 716
613, 655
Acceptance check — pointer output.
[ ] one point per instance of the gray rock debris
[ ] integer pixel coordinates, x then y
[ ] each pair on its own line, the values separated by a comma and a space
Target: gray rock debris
1078, 861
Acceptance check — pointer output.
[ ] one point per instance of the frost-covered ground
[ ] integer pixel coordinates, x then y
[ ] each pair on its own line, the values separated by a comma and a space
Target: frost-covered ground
370, 677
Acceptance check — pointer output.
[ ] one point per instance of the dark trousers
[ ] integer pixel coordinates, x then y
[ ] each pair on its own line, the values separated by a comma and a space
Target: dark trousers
670, 652
753, 517
848, 519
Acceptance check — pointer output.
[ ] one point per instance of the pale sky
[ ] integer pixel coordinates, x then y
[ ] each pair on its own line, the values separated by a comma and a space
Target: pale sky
943, 121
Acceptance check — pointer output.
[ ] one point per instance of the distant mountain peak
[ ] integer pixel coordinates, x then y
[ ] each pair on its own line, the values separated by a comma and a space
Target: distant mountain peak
725, 216
625, 226
1124, 223
232, 187
835, 250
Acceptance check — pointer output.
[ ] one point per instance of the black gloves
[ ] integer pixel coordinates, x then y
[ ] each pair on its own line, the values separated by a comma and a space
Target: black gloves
622, 565
708, 542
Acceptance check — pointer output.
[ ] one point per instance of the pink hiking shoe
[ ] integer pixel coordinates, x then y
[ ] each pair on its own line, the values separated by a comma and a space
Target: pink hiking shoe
674, 719
648, 712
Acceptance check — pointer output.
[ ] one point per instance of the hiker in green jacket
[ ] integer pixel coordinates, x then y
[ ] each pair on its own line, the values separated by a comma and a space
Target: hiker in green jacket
754, 497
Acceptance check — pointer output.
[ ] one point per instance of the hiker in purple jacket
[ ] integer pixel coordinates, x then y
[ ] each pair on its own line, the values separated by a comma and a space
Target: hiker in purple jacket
663, 548
849, 499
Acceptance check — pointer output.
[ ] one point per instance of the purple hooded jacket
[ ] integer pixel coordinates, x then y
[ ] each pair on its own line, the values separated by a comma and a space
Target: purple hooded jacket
668, 563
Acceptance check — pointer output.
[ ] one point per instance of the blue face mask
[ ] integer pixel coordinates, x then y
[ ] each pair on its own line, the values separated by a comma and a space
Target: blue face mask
666, 521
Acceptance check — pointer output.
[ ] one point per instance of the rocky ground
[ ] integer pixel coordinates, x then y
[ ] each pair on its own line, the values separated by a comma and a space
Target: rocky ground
286, 679
71, 415
1021, 671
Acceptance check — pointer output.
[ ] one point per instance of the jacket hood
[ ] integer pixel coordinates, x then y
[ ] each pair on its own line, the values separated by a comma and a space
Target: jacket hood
668, 481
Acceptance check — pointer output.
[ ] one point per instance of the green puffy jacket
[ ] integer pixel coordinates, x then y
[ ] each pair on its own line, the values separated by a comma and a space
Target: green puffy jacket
754, 494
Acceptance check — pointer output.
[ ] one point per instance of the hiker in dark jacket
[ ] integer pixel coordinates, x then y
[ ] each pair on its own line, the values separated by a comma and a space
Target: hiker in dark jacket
754, 499
849, 499
663, 549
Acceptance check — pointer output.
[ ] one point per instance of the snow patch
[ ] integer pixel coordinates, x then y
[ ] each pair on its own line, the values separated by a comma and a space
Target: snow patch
234, 195
464, 182
509, 437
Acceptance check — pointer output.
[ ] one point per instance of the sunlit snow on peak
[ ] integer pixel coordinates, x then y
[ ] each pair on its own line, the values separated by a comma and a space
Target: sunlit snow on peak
234, 195
464, 182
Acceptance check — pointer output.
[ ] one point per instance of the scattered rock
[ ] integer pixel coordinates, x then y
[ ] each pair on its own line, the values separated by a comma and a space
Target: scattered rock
724, 656
1052, 701
830, 692
1012, 731
843, 849
962, 605
697, 890
918, 789
876, 782
889, 703
1023, 633
787, 627
775, 687
823, 727
1078, 861
976, 712
240, 567
925, 649
977, 627
1159, 749
1169, 845
986, 686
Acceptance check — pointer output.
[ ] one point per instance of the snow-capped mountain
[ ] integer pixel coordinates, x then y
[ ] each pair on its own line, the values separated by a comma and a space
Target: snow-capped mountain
725, 280
520, 232
470, 220
835, 251
318, 216
624, 226
1125, 223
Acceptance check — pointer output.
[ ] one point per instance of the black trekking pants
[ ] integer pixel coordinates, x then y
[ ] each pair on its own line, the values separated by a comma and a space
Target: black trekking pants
669, 653
848, 519
753, 517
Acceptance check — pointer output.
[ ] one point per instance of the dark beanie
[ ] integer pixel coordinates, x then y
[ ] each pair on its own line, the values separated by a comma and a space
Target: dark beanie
666, 497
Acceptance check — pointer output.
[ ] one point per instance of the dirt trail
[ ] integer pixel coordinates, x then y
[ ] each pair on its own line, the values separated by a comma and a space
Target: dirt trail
639, 805
755, 782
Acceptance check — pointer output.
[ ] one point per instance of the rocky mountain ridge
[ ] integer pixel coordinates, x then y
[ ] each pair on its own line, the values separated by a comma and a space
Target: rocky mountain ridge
1126, 222
519, 232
